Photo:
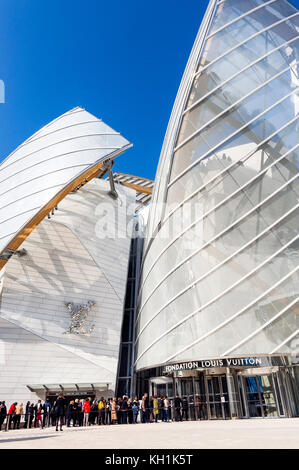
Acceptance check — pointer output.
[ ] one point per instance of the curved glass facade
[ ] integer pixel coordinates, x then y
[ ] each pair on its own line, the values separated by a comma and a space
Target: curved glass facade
220, 270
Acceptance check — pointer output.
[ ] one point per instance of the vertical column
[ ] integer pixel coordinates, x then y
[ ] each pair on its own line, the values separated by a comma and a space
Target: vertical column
233, 394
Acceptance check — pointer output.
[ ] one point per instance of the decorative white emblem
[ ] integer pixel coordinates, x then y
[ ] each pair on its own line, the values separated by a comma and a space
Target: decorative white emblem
79, 314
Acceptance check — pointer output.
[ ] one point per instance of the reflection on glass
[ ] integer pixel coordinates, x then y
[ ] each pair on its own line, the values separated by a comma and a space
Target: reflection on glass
268, 397
218, 397
261, 396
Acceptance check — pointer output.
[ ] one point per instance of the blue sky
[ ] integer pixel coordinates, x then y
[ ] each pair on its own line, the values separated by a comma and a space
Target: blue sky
121, 60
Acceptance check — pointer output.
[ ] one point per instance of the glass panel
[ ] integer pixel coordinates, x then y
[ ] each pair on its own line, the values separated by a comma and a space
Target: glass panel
170, 391
213, 411
244, 413
224, 126
267, 395
229, 10
195, 208
224, 386
186, 387
221, 278
161, 390
218, 191
257, 102
124, 387
235, 148
245, 28
125, 364
279, 401
239, 327
276, 332
218, 410
254, 405
216, 388
243, 56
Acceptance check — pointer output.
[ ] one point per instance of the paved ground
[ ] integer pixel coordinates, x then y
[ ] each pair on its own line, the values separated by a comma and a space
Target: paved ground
235, 434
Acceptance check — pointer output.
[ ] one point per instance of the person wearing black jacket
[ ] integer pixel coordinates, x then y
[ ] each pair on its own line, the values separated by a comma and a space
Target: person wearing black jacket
31, 408
146, 406
69, 413
3, 413
185, 408
177, 408
119, 410
130, 411
93, 412
124, 409
26, 414
75, 412
59, 410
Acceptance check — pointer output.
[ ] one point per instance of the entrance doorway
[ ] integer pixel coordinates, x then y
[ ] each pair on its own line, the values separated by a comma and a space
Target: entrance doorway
161, 386
217, 397
69, 397
261, 396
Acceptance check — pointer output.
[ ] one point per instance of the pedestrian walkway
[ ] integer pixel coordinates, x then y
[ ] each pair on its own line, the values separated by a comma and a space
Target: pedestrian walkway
230, 434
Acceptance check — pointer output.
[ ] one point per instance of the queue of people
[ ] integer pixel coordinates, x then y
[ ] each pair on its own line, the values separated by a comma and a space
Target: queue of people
88, 411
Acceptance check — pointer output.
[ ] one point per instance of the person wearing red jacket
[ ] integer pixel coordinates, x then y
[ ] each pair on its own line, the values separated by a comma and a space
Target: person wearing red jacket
11, 413
86, 410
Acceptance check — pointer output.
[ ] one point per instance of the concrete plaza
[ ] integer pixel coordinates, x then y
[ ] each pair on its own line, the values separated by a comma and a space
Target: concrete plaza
232, 434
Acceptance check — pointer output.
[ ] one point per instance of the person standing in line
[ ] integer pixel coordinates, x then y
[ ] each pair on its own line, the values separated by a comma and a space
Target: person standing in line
143, 410
75, 412
161, 407
80, 412
130, 411
177, 408
59, 410
86, 410
199, 407
47, 410
93, 412
101, 411
39, 418
69, 413
119, 410
151, 409
185, 409
135, 412
166, 405
38, 407
124, 410
18, 415
156, 408
11, 414
26, 419
3, 413
108, 411
146, 406
114, 411
31, 414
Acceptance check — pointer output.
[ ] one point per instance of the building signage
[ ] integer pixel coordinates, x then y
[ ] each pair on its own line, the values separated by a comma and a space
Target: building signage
209, 363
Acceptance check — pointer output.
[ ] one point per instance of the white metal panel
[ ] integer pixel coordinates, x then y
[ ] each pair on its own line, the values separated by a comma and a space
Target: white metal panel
48, 162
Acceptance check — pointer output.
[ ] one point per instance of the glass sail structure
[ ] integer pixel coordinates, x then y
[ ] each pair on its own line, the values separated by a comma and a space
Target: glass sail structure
220, 269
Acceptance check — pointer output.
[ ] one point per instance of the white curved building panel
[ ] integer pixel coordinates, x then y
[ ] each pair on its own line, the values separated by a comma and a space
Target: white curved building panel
68, 258
220, 270
47, 162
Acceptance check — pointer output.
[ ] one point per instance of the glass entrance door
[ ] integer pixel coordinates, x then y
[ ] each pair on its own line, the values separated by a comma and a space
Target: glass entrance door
161, 389
218, 400
261, 396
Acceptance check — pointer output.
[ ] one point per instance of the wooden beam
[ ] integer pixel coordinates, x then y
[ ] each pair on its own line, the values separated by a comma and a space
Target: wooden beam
138, 188
28, 229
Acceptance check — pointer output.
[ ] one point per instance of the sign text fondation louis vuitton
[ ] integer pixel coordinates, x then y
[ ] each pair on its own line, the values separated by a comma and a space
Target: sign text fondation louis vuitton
206, 364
